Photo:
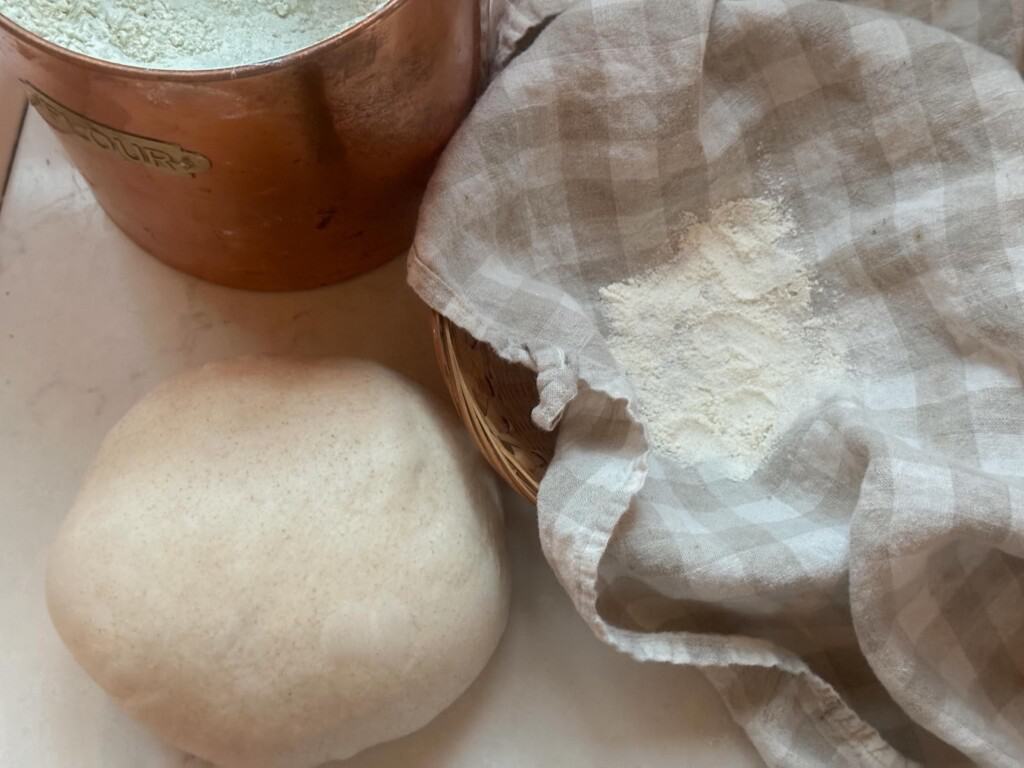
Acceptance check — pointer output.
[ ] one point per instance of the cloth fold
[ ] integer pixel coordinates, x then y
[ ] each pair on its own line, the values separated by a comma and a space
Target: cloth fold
860, 599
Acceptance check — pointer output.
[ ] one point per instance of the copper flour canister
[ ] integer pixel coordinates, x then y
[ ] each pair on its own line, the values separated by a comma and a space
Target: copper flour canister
293, 173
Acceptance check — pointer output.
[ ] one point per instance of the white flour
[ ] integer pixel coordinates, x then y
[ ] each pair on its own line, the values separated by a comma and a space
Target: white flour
186, 34
721, 342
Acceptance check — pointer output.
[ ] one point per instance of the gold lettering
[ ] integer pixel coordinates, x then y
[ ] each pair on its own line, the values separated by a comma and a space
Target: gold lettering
160, 159
100, 139
58, 120
124, 149
137, 149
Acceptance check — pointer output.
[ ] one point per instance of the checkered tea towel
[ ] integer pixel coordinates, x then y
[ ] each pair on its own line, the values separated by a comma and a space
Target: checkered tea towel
860, 600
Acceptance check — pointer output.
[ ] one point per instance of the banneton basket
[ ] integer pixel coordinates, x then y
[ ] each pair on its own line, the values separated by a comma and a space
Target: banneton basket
494, 398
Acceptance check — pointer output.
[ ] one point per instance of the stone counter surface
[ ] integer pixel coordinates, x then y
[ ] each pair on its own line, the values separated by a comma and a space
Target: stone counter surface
88, 324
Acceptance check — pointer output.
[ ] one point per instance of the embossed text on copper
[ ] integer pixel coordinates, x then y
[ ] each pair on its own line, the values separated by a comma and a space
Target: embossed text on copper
161, 155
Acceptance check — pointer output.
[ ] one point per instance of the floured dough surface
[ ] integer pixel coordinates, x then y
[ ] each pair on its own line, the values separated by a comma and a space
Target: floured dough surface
279, 563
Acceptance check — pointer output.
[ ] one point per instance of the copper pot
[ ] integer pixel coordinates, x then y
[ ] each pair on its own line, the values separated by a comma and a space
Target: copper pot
289, 174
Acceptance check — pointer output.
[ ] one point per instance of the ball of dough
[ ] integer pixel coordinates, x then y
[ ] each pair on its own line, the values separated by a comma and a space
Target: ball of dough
279, 563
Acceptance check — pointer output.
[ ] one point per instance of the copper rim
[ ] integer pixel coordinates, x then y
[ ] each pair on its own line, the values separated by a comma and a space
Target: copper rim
196, 75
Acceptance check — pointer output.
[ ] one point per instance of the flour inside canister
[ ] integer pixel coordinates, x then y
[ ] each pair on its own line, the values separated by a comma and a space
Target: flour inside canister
186, 34
721, 342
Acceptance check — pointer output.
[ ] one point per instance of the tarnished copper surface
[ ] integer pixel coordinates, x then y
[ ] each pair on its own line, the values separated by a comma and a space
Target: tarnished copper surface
290, 174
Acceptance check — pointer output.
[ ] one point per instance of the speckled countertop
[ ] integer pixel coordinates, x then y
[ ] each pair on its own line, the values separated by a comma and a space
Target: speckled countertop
88, 323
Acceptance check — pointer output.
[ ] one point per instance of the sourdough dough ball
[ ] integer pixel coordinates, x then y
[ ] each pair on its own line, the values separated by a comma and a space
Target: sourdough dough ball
280, 563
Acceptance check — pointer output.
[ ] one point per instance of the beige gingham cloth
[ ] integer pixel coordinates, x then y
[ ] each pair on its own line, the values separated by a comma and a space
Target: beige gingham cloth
859, 601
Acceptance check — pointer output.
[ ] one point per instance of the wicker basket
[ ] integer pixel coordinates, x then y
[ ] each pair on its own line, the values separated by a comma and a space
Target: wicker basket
495, 399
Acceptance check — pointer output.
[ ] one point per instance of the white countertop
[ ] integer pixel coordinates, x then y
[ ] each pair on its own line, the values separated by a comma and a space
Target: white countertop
88, 323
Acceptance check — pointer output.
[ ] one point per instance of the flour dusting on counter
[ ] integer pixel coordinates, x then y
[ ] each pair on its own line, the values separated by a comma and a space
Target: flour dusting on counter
721, 342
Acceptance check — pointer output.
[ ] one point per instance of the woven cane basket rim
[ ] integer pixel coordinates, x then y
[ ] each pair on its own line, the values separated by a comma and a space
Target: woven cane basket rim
494, 399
